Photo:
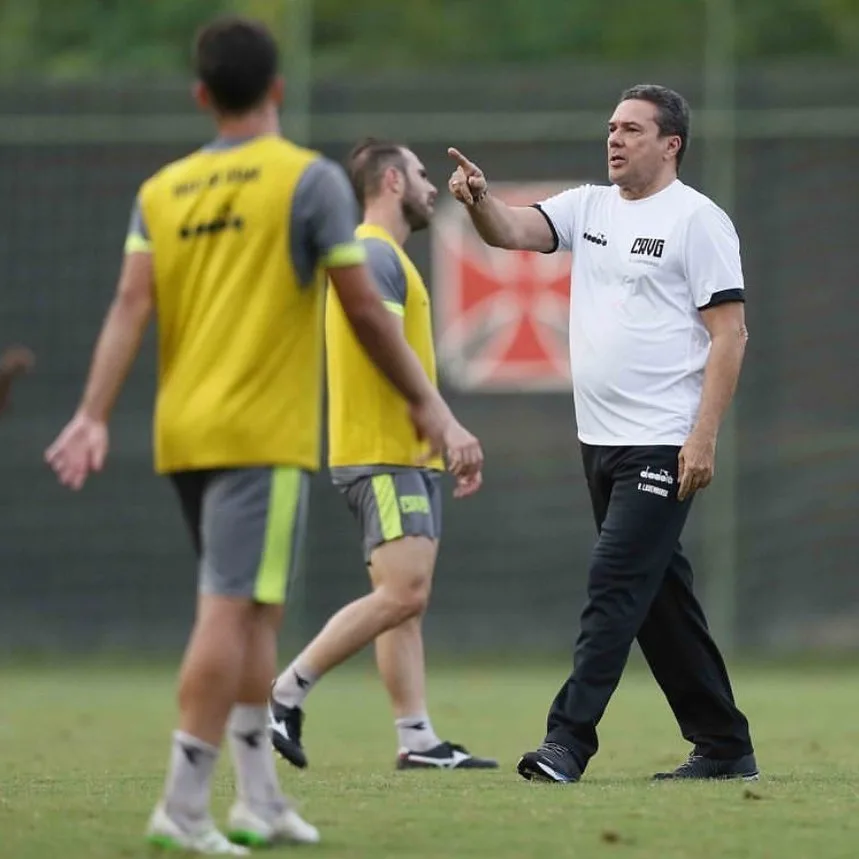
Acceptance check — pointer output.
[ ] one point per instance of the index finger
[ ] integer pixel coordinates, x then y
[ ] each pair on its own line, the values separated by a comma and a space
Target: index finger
461, 159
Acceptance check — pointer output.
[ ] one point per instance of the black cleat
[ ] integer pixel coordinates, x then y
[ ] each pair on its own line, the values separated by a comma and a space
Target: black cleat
700, 767
285, 724
552, 762
445, 756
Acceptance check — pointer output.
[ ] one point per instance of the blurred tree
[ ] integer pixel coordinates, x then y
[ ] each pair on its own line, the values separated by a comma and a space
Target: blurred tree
83, 38
468, 31
784, 28
463, 31
843, 17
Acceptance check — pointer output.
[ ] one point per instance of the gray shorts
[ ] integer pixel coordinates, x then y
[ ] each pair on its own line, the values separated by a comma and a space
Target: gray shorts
247, 525
390, 502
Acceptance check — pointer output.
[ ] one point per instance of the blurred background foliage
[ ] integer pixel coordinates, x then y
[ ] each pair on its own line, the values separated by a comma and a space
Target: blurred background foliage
80, 39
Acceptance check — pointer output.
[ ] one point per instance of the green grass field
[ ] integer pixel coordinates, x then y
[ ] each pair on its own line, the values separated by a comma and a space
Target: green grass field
83, 750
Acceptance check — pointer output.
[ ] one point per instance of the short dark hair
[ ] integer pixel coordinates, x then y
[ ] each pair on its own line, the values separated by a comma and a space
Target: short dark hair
367, 163
237, 60
673, 115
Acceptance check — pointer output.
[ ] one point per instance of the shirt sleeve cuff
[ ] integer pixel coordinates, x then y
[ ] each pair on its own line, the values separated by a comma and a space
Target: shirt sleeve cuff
341, 256
137, 244
724, 296
395, 307
555, 240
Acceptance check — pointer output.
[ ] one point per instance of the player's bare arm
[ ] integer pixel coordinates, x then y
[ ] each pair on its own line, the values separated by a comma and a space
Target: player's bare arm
728, 336
82, 446
510, 227
121, 335
381, 335
15, 361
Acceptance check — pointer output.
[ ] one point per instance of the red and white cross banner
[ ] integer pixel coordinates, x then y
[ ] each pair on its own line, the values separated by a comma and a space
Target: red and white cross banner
501, 317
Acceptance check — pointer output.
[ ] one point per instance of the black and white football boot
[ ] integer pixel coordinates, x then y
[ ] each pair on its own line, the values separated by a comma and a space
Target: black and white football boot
552, 763
285, 727
444, 756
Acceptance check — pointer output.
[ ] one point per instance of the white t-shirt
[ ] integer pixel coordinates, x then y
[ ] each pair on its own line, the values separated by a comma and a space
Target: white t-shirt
642, 271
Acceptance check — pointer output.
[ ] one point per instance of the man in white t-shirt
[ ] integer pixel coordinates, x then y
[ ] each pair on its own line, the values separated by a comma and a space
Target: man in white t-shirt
657, 336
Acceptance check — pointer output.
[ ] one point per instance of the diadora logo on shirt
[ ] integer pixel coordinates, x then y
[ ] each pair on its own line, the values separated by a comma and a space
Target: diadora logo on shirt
648, 247
655, 482
224, 220
596, 238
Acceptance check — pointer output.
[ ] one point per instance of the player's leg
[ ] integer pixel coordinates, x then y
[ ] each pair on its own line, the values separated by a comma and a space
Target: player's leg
377, 501
257, 535
400, 659
642, 525
400, 651
256, 779
209, 681
262, 815
690, 670
404, 564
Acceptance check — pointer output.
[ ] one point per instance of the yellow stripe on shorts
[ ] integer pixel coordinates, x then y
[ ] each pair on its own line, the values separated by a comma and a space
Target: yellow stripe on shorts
273, 572
389, 507
395, 307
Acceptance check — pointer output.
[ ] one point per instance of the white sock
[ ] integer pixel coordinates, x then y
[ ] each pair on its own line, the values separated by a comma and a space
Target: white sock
256, 776
189, 779
291, 688
415, 733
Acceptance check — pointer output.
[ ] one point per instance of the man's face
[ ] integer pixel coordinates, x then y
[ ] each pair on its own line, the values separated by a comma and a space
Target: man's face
419, 194
636, 152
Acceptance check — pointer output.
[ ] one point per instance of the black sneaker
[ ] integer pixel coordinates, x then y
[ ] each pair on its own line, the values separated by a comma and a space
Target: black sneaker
285, 724
552, 762
700, 767
445, 756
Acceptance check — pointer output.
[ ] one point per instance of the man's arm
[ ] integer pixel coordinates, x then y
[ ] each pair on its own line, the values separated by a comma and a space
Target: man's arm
387, 279
523, 228
332, 222
327, 210
513, 228
728, 335
124, 324
82, 445
390, 279
715, 272
120, 337
715, 275
380, 332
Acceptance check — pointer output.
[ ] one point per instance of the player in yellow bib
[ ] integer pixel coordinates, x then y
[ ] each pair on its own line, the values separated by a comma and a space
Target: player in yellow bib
380, 467
231, 247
